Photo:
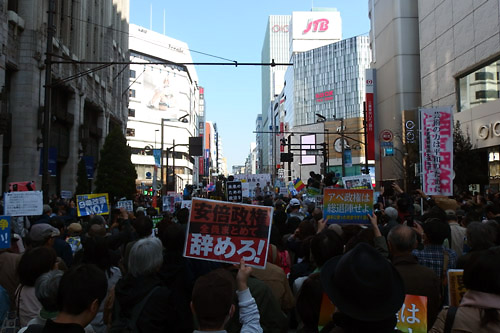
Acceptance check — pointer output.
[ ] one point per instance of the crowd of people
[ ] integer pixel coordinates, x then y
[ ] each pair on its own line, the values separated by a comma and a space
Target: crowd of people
122, 273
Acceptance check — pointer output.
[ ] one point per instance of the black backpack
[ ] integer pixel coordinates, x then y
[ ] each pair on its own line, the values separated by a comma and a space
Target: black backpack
124, 324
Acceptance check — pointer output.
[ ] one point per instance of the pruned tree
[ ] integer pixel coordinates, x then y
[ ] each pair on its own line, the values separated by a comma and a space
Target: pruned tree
116, 174
82, 182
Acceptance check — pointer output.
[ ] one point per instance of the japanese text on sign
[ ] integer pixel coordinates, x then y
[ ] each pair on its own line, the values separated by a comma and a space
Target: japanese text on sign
437, 150
456, 286
92, 204
345, 206
227, 232
29, 203
412, 317
127, 204
5, 232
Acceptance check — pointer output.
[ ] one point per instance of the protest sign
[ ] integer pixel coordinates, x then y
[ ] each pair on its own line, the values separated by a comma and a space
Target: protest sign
22, 186
66, 194
412, 317
234, 191
28, 203
344, 206
252, 181
186, 204
169, 201
357, 182
5, 232
92, 204
456, 286
156, 219
227, 232
127, 204
436, 145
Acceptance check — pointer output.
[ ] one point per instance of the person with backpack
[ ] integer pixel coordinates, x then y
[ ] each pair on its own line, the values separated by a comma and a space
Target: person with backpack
142, 302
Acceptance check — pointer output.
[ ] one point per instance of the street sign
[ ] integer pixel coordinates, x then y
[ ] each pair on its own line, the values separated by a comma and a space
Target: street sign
386, 135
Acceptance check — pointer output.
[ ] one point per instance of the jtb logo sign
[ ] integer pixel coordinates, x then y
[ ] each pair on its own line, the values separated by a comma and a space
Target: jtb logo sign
320, 25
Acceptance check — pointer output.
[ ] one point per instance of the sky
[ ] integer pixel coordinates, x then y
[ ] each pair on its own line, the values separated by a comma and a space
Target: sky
234, 30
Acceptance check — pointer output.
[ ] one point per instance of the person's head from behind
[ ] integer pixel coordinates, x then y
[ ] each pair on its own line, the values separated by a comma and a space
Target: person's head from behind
325, 245
34, 263
482, 274
401, 240
436, 231
212, 299
46, 288
480, 236
81, 290
143, 226
146, 257
391, 213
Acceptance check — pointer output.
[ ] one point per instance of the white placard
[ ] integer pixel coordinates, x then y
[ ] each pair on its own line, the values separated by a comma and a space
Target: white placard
186, 204
26, 203
66, 194
127, 204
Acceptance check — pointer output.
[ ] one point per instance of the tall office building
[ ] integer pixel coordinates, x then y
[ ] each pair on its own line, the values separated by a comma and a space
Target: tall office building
439, 53
164, 99
86, 100
275, 47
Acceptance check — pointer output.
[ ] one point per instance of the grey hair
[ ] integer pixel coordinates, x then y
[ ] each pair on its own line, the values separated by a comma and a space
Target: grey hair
146, 256
403, 238
391, 213
46, 287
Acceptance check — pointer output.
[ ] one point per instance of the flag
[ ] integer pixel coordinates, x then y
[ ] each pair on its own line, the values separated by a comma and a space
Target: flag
298, 184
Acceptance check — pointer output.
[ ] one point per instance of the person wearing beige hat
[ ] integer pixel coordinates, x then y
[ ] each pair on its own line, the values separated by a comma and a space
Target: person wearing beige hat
73, 239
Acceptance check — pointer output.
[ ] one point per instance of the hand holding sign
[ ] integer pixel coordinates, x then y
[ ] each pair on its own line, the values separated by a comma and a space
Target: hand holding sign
242, 276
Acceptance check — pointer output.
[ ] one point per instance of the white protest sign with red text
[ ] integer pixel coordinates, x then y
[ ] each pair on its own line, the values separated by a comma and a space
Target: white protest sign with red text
226, 232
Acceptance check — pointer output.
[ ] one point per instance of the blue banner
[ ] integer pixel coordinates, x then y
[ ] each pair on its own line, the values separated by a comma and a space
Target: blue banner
92, 204
157, 155
52, 162
348, 158
89, 166
5, 232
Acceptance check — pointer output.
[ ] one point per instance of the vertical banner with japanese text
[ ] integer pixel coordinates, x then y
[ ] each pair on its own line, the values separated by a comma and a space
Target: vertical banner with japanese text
226, 232
370, 113
344, 206
436, 145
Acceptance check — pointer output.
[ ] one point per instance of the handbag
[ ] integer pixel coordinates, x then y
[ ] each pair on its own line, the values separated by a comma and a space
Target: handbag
11, 323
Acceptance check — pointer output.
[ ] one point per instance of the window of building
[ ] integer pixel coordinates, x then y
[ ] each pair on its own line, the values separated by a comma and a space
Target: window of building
131, 93
480, 86
130, 131
131, 112
132, 74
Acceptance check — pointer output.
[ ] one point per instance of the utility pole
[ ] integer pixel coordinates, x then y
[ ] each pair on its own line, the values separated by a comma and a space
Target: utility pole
47, 101
289, 161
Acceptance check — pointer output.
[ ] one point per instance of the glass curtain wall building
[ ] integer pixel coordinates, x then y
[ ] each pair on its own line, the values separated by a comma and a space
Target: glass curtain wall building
328, 80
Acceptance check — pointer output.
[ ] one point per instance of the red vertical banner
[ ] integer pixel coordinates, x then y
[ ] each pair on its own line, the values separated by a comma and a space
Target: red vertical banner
370, 113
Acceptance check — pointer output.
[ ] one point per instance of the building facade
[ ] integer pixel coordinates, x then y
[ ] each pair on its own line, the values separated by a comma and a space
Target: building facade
164, 108
275, 47
447, 54
86, 100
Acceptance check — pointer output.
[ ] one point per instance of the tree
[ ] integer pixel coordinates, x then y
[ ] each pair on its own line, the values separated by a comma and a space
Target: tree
466, 162
82, 182
116, 174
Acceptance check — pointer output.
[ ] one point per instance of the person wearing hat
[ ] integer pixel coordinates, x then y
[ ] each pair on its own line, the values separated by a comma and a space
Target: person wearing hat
73, 239
364, 304
42, 234
294, 209
457, 232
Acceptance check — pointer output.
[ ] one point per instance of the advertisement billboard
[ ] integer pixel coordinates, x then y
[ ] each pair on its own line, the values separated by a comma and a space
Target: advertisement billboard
323, 25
